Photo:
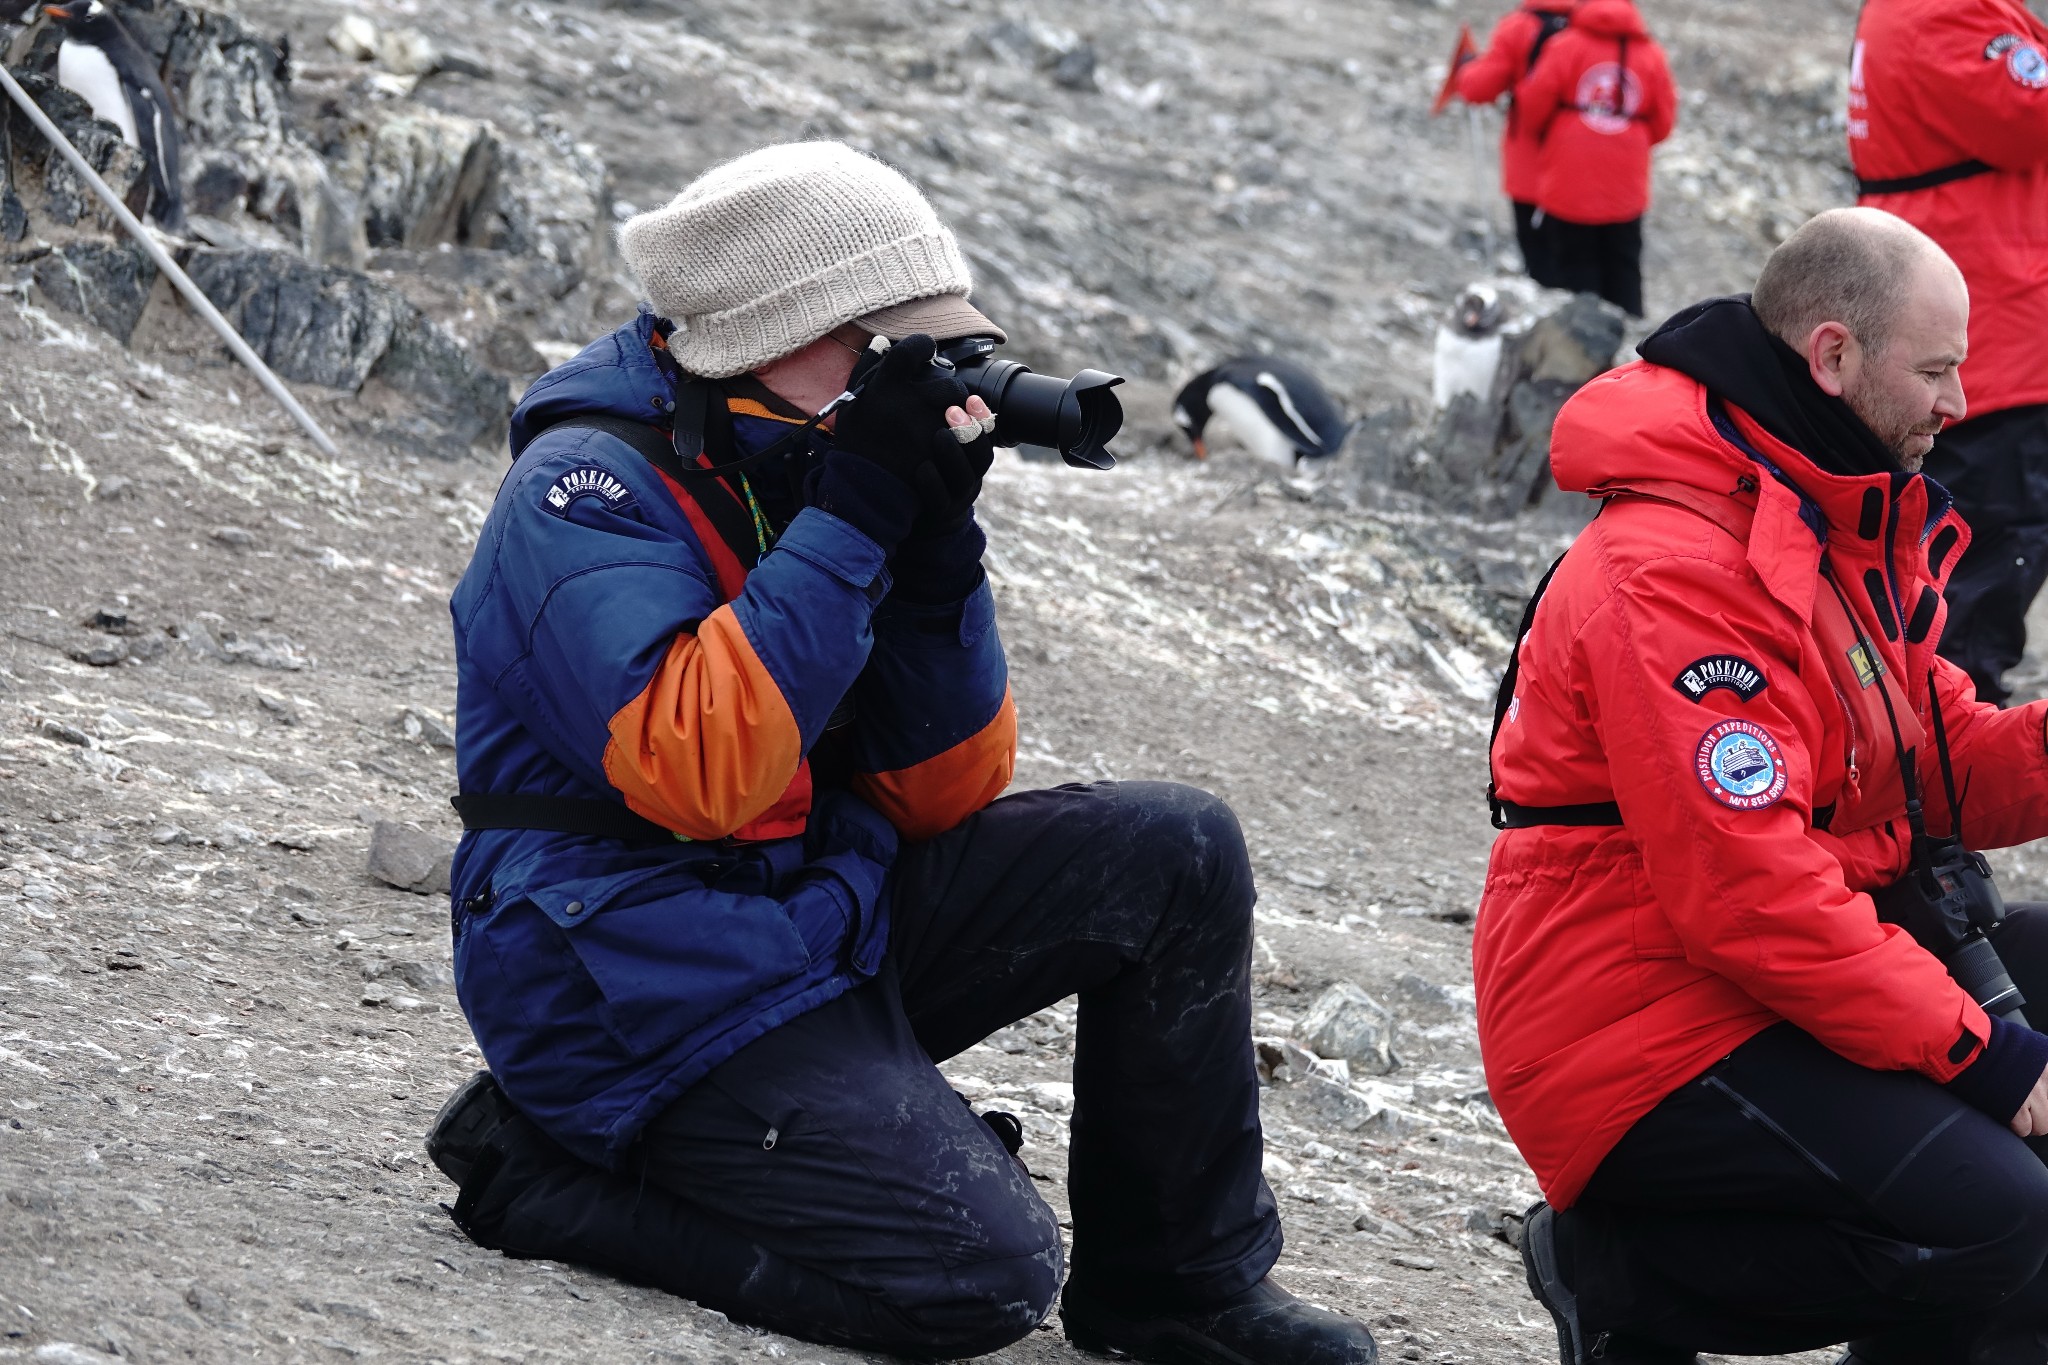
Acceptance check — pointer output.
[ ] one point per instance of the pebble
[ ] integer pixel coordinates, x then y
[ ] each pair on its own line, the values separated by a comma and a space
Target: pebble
64, 734
234, 537
181, 701
409, 859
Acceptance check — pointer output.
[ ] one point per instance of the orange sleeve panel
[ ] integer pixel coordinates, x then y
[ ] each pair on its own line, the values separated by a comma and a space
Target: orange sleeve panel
710, 743
931, 797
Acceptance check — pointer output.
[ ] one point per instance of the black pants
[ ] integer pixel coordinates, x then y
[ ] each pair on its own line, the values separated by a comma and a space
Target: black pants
1789, 1199
1996, 466
825, 1181
1529, 236
1597, 258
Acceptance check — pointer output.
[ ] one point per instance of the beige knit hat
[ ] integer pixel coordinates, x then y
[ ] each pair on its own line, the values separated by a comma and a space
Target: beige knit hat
763, 255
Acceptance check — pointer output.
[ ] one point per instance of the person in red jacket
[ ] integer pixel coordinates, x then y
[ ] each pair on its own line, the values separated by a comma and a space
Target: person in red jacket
1763, 1120
1511, 53
1599, 100
1948, 129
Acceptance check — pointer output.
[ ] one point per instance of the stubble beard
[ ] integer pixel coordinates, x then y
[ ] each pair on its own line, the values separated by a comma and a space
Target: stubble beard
1903, 432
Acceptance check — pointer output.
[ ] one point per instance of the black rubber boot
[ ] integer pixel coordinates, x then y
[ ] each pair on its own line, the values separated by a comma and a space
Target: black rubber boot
476, 1110
1546, 1281
1575, 1345
1265, 1325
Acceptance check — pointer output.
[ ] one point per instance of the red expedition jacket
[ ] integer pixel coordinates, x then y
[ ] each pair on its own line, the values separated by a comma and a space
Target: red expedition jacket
1937, 83
1692, 663
1600, 98
1496, 72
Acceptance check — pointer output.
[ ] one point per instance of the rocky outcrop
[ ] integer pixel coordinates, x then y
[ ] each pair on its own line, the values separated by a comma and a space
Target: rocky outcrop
48, 195
337, 328
1490, 453
105, 282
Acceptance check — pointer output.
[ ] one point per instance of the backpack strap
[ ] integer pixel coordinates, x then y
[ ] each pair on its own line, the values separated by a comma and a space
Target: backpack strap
1926, 180
1510, 814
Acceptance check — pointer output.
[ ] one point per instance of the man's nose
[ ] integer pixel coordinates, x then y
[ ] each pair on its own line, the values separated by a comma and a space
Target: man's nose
1949, 404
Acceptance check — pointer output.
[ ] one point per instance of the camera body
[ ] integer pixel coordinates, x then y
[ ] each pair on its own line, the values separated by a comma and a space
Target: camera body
1952, 908
1077, 417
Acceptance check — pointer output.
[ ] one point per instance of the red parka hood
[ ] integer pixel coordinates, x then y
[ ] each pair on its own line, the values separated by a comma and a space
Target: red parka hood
1609, 19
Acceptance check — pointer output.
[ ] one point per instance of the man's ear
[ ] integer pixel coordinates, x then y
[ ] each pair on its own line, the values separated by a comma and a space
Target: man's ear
1832, 356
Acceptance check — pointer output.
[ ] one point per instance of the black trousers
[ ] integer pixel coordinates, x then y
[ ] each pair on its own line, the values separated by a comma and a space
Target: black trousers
1597, 258
1529, 236
1789, 1199
825, 1182
1996, 466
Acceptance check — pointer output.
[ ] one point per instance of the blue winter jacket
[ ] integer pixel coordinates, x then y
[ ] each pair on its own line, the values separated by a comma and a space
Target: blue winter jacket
605, 650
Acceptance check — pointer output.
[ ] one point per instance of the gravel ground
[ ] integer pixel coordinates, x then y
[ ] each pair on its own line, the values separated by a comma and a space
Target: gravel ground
223, 659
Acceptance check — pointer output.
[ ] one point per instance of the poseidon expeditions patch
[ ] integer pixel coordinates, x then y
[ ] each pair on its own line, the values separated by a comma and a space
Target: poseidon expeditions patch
1740, 766
2023, 61
1730, 671
587, 482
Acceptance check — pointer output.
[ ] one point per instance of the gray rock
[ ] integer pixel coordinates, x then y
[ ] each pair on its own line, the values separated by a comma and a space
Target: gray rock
64, 734
13, 215
1346, 1022
428, 727
421, 176
279, 706
70, 1353
99, 654
331, 326
107, 283
182, 701
409, 859
48, 187
315, 324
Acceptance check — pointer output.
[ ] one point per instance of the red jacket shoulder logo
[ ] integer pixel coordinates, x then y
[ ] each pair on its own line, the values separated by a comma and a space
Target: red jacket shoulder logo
1740, 765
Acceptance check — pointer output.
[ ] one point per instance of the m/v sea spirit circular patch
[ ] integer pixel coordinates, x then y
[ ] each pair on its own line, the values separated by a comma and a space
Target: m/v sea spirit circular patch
1739, 764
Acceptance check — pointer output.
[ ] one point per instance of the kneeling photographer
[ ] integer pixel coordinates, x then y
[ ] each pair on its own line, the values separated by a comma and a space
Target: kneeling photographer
735, 720
1749, 1002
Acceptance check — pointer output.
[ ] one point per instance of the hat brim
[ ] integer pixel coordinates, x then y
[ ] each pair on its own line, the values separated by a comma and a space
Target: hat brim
944, 317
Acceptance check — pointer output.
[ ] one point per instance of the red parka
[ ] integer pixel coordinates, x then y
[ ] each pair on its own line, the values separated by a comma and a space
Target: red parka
1496, 72
1936, 84
1599, 99
1692, 663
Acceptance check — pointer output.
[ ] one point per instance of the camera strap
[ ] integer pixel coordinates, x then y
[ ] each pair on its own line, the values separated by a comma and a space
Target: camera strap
1909, 769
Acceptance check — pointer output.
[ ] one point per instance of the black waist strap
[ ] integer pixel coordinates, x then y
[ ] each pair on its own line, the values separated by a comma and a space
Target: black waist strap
1509, 815
560, 815
1926, 180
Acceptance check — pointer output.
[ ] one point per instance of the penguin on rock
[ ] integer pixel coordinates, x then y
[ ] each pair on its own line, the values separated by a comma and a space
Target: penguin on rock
100, 62
1468, 345
1274, 406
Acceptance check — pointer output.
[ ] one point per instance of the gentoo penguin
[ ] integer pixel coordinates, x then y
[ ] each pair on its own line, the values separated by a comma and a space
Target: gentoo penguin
1468, 346
100, 62
1272, 405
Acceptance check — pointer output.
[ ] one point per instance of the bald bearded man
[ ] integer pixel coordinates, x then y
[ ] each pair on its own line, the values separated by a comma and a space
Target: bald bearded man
1765, 1121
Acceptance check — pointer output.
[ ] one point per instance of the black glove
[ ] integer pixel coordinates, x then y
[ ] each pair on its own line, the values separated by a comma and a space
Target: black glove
948, 486
884, 441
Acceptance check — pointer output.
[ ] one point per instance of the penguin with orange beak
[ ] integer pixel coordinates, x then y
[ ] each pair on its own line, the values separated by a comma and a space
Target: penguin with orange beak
1274, 406
100, 61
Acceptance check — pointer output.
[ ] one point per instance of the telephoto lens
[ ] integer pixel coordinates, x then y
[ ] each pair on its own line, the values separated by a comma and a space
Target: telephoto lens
1077, 417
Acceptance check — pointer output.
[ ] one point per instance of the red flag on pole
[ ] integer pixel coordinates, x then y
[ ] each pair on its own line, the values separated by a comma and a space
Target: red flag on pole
1464, 52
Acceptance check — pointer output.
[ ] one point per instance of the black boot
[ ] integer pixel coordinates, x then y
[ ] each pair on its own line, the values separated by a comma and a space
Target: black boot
1265, 1325
1575, 1345
477, 1109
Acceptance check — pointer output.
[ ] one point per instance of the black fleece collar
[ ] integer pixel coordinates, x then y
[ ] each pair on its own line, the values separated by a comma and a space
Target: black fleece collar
1722, 344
